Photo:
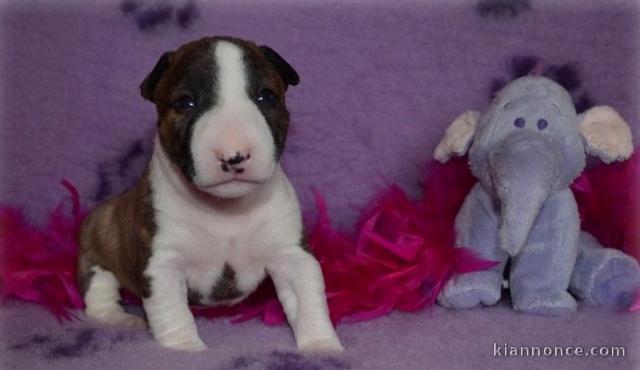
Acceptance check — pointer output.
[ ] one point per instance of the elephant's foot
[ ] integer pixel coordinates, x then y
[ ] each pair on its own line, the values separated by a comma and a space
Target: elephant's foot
471, 290
616, 282
547, 302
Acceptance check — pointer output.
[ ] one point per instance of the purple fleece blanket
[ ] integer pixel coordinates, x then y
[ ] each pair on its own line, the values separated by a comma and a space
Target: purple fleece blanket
380, 82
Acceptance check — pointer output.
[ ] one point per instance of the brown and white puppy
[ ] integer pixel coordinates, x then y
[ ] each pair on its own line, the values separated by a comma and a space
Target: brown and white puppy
213, 213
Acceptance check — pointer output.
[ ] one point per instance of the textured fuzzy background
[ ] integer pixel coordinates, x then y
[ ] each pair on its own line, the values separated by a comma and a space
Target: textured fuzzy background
380, 82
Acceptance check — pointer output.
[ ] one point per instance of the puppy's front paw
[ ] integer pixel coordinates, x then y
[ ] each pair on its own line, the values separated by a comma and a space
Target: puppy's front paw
192, 345
133, 321
321, 346
118, 318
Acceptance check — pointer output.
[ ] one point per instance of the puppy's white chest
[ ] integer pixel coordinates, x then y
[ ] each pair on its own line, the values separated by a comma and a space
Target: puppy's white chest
223, 251
223, 266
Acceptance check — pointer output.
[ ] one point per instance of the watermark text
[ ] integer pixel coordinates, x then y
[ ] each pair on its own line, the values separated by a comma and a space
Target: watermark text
507, 350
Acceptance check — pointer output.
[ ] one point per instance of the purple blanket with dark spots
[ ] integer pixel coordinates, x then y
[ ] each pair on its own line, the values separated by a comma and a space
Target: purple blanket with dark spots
380, 81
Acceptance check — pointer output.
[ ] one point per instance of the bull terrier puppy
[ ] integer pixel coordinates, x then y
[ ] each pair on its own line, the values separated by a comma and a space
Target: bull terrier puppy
213, 213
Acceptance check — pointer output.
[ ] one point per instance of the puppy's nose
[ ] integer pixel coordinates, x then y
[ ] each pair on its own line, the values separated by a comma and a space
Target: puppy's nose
237, 159
234, 162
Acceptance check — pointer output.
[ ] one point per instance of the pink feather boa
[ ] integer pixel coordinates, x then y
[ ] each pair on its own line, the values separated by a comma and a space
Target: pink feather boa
39, 265
399, 257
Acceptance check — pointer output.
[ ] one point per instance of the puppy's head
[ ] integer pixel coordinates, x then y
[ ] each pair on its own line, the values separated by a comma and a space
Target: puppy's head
222, 115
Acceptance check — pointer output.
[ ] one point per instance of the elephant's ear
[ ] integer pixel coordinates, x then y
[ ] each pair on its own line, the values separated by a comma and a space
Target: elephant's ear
606, 134
458, 136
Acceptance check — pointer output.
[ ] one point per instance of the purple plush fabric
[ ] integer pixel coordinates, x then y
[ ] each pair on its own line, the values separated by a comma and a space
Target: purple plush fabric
380, 82
435, 339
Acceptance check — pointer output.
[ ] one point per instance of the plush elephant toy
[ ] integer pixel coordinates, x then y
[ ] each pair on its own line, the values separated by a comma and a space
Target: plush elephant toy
526, 149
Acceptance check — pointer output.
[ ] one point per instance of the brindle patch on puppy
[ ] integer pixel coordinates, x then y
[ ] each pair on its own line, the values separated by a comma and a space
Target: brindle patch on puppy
214, 212
125, 220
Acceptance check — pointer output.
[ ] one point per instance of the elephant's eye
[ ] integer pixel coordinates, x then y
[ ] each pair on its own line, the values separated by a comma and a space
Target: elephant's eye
542, 124
519, 122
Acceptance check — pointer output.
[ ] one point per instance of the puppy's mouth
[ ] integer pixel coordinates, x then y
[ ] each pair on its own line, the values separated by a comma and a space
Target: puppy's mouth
230, 181
231, 188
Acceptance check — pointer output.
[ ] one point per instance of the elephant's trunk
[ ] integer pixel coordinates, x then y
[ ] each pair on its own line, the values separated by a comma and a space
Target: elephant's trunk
524, 167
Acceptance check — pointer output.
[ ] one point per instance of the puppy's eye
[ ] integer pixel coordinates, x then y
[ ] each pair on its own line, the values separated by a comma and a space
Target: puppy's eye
184, 103
266, 97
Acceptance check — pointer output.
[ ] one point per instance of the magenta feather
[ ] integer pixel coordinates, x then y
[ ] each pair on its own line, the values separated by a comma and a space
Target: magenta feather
398, 258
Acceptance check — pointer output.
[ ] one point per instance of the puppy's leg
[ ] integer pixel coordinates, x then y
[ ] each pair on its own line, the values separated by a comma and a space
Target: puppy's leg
101, 300
170, 320
300, 287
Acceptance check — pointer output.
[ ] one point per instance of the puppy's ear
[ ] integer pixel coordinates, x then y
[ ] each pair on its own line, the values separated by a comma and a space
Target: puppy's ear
148, 86
286, 72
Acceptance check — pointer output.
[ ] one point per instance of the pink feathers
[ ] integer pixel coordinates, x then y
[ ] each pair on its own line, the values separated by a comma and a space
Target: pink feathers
609, 203
38, 265
402, 252
635, 306
398, 258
